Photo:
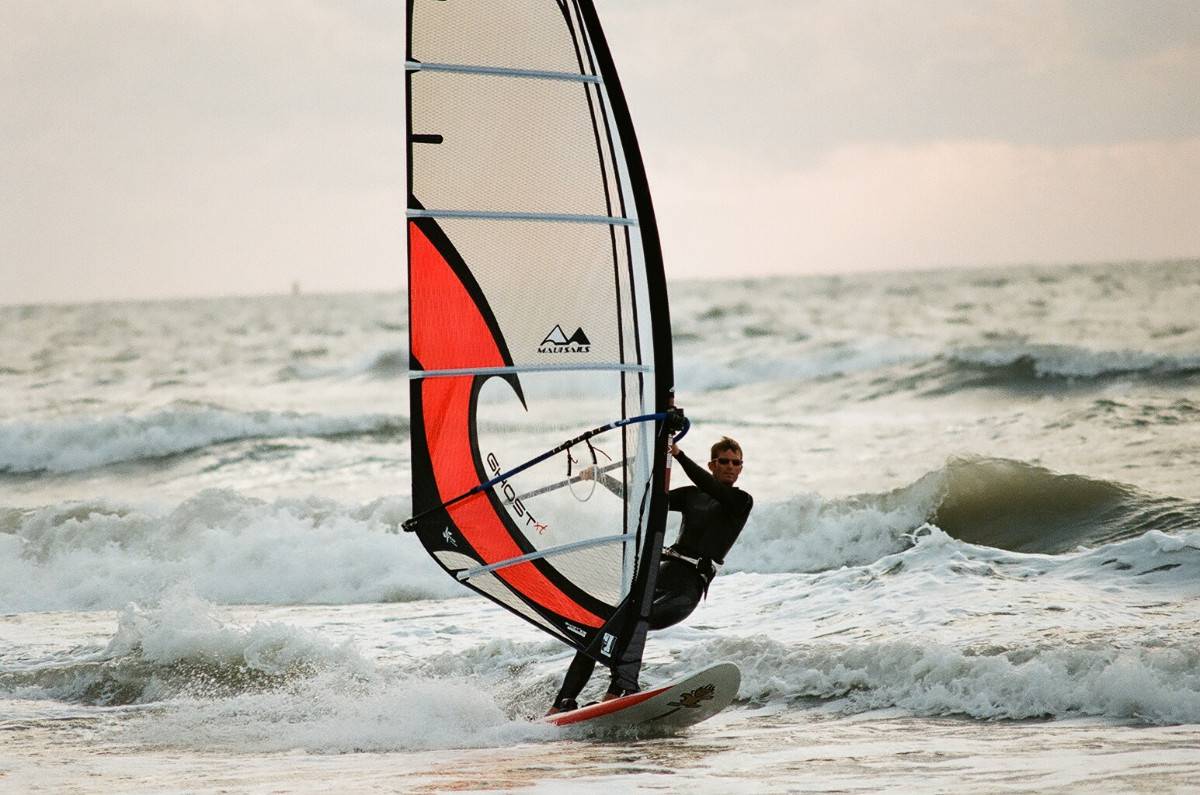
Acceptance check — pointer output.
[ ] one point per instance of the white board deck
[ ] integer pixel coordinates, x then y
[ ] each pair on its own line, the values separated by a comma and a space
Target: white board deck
681, 703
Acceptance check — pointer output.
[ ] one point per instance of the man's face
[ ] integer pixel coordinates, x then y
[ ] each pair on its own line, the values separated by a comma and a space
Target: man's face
726, 466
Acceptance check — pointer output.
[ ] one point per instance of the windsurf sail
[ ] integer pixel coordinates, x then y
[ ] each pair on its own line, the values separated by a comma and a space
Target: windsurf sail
539, 330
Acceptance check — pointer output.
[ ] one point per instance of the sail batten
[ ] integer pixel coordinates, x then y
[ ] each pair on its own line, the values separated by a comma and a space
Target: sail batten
548, 368
545, 553
501, 71
499, 215
537, 311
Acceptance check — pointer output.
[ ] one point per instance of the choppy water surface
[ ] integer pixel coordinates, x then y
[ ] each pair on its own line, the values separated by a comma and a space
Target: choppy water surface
974, 561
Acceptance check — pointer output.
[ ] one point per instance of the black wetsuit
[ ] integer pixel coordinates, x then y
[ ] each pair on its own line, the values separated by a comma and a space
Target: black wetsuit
713, 516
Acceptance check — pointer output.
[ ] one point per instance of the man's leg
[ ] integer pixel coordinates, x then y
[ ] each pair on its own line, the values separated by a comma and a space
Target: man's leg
577, 676
669, 607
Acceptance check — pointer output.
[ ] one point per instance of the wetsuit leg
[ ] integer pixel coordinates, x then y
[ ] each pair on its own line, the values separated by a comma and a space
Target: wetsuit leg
670, 608
577, 676
679, 589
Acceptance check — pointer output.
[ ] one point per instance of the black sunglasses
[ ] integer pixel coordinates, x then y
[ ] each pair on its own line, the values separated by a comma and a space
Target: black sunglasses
737, 462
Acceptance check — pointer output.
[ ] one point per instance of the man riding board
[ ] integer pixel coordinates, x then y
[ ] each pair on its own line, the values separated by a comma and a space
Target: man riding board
714, 513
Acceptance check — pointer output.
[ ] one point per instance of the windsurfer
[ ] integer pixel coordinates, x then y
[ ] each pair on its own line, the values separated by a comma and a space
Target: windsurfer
714, 512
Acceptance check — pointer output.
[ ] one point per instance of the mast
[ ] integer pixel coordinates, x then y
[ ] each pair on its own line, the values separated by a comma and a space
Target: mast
632, 645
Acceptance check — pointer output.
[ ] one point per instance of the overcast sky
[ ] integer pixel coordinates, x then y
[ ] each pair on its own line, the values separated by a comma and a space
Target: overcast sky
208, 147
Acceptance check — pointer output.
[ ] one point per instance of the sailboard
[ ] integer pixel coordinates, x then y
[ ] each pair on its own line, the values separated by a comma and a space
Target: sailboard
538, 319
671, 706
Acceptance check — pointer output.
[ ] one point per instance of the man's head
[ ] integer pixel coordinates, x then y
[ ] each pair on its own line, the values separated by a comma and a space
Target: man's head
725, 462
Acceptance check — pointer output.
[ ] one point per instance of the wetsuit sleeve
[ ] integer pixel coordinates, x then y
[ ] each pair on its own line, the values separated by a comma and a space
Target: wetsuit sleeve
677, 498
735, 501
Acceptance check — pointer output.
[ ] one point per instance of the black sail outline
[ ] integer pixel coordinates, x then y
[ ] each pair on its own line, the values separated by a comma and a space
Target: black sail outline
610, 118
632, 640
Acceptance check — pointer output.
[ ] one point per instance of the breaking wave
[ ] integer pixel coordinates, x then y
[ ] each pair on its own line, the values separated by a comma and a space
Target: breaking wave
234, 549
1154, 683
1025, 508
268, 687
988, 502
181, 647
231, 549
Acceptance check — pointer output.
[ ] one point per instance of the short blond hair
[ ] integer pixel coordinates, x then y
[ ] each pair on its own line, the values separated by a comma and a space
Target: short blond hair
725, 443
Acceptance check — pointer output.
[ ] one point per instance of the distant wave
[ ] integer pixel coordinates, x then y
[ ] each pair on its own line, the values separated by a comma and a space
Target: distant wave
908, 363
385, 364
1025, 366
721, 367
893, 365
77, 443
231, 549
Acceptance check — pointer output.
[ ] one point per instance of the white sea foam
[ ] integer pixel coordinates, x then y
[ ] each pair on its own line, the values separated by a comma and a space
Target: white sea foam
71, 444
330, 700
230, 548
808, 533
184, 627
1147, 683
233, 549
333, 713
217, 685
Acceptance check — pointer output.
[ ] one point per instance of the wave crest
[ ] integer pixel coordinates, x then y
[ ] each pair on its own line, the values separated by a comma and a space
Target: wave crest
987, 502
231, 549
73, 444
1021, 507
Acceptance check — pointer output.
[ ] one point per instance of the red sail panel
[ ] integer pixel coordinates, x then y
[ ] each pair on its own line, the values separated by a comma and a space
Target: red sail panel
449, 332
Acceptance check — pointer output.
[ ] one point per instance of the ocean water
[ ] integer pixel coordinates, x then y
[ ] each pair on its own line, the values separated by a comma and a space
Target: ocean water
973, 565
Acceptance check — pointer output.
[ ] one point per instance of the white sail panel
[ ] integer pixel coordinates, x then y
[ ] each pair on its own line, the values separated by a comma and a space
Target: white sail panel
493, 128
543, 275
515, 34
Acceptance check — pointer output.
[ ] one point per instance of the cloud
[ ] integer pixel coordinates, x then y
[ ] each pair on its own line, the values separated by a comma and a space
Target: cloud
160, 149
938, 204
212, 146
792, 79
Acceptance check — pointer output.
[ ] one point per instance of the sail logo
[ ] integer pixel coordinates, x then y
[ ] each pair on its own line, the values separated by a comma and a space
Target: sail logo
557, 341
607, 645
510, 496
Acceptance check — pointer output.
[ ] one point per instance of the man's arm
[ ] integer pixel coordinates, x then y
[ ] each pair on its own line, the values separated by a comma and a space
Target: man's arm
604, 479
733, 500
